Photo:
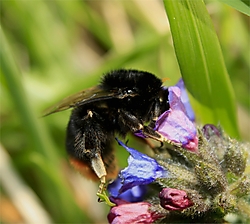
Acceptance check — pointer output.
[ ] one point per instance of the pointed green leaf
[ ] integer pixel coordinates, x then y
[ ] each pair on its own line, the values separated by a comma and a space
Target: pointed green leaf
40, 141
240, 5
201, 62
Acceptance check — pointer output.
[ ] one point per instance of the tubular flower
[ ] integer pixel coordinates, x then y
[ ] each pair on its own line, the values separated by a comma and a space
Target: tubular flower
141, 170
175, 125
135, 194
174, 199
185, 100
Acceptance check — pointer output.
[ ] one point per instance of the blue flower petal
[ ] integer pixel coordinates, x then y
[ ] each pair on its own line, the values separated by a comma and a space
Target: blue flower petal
135, 194
141, 169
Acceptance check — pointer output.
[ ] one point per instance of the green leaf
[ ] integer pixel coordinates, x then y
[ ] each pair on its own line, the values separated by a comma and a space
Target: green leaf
11, 76
64, 207
240, 5
201, 63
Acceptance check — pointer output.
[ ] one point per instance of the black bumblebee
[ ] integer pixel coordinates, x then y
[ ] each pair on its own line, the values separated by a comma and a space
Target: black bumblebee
123, 102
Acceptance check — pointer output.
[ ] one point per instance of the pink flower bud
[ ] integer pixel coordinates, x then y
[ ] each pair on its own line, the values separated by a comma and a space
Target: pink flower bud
127, 213
174, 199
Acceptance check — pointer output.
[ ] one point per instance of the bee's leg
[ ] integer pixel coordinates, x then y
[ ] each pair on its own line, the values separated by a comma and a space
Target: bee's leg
86, 141
134, 124
99, 169
151, 133
129, 122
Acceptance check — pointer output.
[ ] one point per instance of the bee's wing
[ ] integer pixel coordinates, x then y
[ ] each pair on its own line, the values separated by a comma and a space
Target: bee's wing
92, 94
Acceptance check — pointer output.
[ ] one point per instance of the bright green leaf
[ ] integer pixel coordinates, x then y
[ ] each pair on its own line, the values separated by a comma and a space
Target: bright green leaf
240, 5
64, 207
201, 62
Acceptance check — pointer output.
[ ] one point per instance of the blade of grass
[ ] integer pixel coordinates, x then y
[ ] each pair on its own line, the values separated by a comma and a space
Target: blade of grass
201, 62
240, 5
21, 195
11, 76
66, 210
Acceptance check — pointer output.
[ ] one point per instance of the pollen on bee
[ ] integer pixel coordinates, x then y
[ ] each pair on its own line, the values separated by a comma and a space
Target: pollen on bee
140, 126
90, 113
165, 79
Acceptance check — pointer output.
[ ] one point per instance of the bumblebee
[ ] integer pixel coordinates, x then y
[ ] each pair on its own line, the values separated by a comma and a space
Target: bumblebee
124, 101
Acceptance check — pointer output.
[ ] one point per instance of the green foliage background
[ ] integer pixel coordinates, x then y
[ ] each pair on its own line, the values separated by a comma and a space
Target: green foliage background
50, 49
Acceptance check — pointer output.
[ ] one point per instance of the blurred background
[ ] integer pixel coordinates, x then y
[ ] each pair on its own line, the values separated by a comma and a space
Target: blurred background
62, 47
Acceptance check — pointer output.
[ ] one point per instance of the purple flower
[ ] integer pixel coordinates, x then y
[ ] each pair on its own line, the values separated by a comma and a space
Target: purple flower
175, 125
185, 100
127, 213
135, 194
174, 199
141, 170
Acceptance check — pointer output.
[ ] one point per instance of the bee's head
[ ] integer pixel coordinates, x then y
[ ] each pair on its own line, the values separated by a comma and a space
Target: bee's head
132, 81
